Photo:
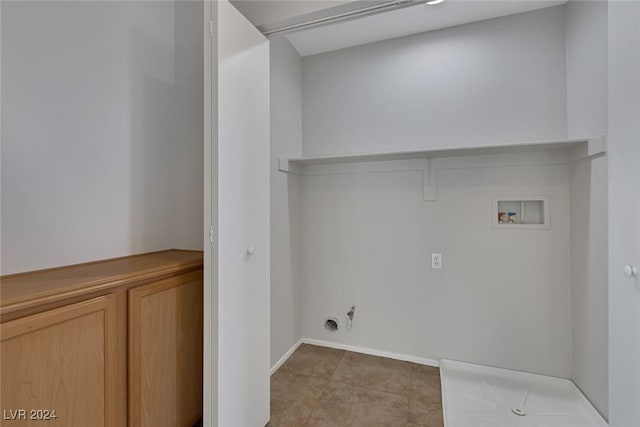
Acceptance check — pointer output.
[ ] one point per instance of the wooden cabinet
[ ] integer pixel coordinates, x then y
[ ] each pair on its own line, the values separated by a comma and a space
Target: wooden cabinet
59, 366
111, 343
165, 352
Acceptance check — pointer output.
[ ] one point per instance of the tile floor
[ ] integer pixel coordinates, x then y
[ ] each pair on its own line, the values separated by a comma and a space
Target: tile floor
326, 387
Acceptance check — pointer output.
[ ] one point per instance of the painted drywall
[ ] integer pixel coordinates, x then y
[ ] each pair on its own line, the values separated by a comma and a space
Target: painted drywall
211, 298
502, 298
586, 46
188, 127
286, 141
589, 290
495, 81
624, 211
368, 237
88, 132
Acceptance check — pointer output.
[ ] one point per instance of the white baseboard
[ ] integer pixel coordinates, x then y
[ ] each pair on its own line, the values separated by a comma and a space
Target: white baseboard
372, 352
355, 349
285, 357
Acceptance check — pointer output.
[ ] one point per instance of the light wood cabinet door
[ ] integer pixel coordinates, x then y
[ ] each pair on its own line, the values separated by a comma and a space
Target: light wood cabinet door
61, 360
165, 352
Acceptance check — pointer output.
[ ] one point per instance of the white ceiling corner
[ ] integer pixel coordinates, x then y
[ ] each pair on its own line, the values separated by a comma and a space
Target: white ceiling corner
264, 12
407, 21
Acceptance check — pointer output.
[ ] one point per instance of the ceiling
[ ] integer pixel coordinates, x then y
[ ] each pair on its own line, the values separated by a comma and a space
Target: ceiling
383, 26
264, 12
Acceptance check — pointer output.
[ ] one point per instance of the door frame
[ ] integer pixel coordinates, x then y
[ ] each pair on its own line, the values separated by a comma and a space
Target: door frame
210, 241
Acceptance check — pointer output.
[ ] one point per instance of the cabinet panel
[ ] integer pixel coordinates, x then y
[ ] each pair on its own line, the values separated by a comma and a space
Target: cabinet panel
165, 344
61, 360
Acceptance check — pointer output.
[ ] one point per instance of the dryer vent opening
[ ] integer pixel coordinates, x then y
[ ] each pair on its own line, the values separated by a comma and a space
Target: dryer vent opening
331, 324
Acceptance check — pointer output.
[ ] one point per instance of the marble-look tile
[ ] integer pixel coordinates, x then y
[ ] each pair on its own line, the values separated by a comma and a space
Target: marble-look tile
314, 360
376, 373
352, 406
425, 370
293, 397
425, 384
289, 385
364, 391
425, 414
288, 413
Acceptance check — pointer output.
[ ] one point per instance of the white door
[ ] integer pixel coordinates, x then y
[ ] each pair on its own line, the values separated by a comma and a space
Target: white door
243, 221
624, 213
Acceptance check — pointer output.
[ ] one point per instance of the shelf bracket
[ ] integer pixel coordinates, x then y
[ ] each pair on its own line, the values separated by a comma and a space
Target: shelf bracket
594, 148
429, 161
597, 146
286, 166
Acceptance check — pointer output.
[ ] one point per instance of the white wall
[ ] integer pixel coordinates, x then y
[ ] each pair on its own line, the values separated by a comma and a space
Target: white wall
88, 132
501, 80
586, 47
589, 284
587, 117
502, 297
286, 141
188, 127
624, 211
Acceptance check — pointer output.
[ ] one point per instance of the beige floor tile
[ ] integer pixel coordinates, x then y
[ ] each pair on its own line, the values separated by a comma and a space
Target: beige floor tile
363, 391
314, 360
289, 385
376, 373
425, 414
287, 413
425, 384
293, 397
426, 370
352, 406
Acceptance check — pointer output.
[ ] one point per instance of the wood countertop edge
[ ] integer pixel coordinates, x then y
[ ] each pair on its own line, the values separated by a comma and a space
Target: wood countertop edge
101, 285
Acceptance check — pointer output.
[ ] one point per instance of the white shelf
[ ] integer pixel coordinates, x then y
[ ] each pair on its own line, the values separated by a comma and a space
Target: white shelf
428, 161
579, 148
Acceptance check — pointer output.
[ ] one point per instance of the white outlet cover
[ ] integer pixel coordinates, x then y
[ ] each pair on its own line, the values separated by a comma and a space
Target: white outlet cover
436, 260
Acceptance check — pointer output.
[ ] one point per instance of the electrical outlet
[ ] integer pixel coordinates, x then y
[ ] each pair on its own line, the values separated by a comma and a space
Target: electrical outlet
436, 261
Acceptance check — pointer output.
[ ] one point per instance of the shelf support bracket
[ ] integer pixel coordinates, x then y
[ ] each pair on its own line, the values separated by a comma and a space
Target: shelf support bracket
597, 146
286, 166
594, 148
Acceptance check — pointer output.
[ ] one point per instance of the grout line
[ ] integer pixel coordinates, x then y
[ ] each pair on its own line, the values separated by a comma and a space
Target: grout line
332, 379
338, 364
317, 402
306, 375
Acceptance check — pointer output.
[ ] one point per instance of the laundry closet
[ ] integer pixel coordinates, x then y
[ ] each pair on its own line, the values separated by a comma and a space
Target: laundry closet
451, 185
